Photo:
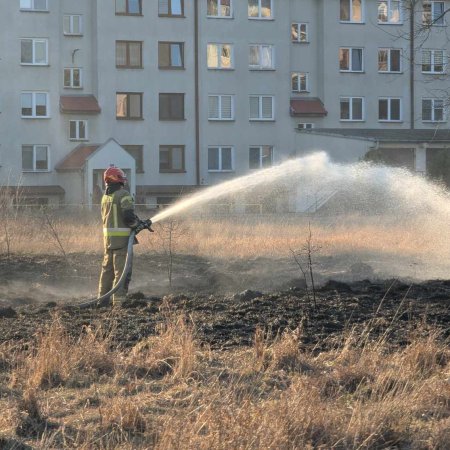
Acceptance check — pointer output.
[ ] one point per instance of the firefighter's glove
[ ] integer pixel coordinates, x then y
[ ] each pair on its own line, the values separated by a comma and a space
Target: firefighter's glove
144, 225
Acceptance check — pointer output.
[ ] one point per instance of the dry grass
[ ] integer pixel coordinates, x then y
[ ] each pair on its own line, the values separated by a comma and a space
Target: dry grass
170, 393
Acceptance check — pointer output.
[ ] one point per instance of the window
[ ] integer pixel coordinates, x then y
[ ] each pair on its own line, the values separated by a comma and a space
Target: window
220, 159
389, 110
261, 107
433, 110
260, 157
351, 59
352, 108
171, 106
73, 78
35, 105
433, 61
220, 56
137, 152
299, 82
34, 52
305, 126
171, 55
34, 5
219, 8
35, 158
389, 11
433, 13
171, 158
171, 8
260, 57
389, 60
128, 105
299, 32
351, 11
73, 25
129, 7
220, 107
78, 130
129, 54
260, 9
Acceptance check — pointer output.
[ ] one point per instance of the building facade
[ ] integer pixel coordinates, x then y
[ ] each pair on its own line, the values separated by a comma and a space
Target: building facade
189, 93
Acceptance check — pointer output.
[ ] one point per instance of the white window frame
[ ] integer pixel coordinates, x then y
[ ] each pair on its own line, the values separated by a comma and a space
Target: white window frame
71, 71
432, 23
77, 136
260, 54
219, 11
260, 16
350, 100
220, 149
260, 117
305, 126
71, 20
220, 47
389, 109
32, 8
433, 61
350, 59
34, 170
389, 68
220, 118
34, 41
33, 105
261, 156
299, 26
389, 13
299, 75
351, 13
433, 110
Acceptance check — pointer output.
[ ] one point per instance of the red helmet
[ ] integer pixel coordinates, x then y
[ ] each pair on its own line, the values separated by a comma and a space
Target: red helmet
114, 175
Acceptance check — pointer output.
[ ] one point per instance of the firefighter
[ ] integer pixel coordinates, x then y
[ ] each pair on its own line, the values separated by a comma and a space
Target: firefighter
118, 219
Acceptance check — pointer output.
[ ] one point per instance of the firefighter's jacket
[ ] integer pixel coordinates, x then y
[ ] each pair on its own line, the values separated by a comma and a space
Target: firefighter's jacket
115, 207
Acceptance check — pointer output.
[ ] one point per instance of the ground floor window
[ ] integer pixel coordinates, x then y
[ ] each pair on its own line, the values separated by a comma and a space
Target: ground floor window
220, 159
35, 158
171, 158
260, 156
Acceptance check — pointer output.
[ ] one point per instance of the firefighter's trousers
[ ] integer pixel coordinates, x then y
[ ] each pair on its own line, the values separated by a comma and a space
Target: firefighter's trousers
112, 268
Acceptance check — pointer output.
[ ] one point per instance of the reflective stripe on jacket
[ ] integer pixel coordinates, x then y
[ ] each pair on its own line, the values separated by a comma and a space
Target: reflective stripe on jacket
115, 231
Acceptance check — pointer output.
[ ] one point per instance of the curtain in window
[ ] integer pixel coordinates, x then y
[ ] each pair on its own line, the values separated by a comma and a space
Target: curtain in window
254, 107
135, 53
395, 12
266, 156
266, 57
27, 104
26, 51
383, 109
164, 54
41, 157
76, 78
266, 107
27, 157
213, 158
175, 55
345, 108
121, 105
254, 158
357, 59
121, 6
357, 109
382, 11
395, 109
266, 8
76, 24
213, 9
163, 7
226, 107
40, 52
345, 10
41, 104
426, 60
426, 109
253, 8
225, 59
177, 158
225, 8
356, 11
344, 59
395, 60
40, 4
383, 60
438, 109
438, 61
213, 107
26, 4
164, 158
121, 53
135, 105
81, 129
438, 13
134, 7
176, 6
253, 57
226, 158
213, 55
73, 129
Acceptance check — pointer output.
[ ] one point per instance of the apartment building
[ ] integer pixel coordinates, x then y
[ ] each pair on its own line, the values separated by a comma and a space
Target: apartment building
188, 93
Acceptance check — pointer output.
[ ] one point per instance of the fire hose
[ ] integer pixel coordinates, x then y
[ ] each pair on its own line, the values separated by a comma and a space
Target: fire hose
143, 225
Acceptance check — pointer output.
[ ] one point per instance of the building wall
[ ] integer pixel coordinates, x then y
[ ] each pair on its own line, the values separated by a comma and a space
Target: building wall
94, 52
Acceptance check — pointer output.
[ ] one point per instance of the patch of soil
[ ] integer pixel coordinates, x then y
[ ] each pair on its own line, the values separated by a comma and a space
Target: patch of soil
382, 308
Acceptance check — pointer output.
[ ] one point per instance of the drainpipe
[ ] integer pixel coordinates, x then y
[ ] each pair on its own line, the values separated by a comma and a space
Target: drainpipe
197, 107
411, 63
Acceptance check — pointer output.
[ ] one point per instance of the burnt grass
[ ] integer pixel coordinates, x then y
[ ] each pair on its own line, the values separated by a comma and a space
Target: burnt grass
389, 308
